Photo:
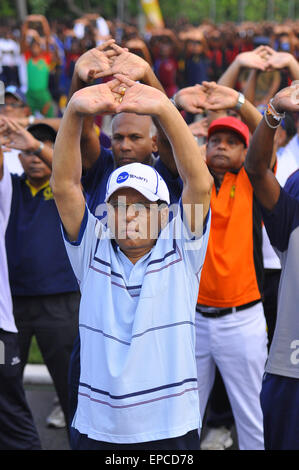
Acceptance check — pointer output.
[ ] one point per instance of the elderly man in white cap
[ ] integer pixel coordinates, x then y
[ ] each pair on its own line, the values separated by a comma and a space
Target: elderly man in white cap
138, 280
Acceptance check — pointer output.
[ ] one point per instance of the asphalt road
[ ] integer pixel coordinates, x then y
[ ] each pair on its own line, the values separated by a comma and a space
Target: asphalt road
40, 399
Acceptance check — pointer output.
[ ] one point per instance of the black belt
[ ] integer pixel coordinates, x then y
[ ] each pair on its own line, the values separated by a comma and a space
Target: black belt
212, 312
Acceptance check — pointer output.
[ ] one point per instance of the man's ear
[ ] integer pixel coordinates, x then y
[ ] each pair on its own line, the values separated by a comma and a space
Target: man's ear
154, 144
244, 153
27, 111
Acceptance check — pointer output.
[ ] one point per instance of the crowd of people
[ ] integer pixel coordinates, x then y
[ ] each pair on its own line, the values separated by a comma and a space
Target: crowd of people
150, 329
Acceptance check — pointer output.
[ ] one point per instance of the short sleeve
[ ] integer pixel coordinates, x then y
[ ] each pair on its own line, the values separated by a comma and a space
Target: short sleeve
282, 220
79, 251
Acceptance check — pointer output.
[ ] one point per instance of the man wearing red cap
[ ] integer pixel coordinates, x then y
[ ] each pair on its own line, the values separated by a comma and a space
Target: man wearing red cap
231, 327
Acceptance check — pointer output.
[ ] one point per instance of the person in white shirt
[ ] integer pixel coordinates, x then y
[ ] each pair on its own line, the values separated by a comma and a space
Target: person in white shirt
10, 59
138, 280
17, 429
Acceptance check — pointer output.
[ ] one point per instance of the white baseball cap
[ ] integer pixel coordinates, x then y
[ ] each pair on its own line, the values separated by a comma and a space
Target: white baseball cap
143, 178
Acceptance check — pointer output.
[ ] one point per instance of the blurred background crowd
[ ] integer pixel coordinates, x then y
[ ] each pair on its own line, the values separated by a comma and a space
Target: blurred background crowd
182, 53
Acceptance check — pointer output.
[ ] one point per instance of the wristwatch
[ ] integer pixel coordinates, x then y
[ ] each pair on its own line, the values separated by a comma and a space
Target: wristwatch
174, 102
240, 102
31, 119
40, 148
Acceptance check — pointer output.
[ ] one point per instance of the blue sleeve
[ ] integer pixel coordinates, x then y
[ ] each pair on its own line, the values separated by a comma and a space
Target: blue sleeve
282, 220
91, 177
292, 185
174, 183
81, 231
79, 251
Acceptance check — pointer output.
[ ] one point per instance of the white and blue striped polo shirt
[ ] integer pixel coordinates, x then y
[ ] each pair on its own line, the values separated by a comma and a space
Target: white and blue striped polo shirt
138, 371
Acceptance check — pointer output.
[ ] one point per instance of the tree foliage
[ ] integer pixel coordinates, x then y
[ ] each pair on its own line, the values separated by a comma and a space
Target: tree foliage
194, 11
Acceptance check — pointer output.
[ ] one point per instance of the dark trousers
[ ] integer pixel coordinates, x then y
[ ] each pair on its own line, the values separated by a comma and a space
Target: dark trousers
280, 405
74, 378
189, 441
17, 429
271, 283
53, 320
10, 75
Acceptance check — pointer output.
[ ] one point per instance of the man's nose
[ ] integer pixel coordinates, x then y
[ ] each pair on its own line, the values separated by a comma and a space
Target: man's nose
125, 144
222, 144
35, 158
131, 214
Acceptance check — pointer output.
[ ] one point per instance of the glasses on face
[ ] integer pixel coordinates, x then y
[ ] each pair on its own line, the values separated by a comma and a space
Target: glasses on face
134, 207
12, 105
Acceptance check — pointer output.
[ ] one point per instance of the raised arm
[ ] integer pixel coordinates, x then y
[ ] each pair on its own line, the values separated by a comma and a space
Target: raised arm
67, 165
279, 60
215, 97
104, 61
258, 158
14, 136
222, 97
87, 68
25, 32
197, 180
255, 59
46, 29
136, 68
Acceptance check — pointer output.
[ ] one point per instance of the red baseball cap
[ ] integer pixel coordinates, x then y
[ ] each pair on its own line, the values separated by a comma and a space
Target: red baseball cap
230, 123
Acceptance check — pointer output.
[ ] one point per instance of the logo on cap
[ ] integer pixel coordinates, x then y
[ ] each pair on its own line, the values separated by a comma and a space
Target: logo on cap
122, 177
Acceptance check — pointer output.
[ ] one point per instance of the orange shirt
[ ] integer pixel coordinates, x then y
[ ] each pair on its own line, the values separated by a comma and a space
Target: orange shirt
229, 275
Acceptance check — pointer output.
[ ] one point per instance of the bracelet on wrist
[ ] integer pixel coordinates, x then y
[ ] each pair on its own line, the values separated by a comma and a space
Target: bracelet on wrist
268, 123
174, 102
272, 111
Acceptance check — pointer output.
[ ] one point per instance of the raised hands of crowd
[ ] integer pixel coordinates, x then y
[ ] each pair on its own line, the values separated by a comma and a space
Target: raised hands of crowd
15, 136
126, 63
107, 60
256, 59
208, 96
94, 62
287, 99
266, 59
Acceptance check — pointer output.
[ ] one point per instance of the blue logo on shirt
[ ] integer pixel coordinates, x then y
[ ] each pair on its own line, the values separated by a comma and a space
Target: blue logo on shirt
122, 177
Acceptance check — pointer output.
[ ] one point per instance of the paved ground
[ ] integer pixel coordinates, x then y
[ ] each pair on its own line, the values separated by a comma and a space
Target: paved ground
40, 399
40, 395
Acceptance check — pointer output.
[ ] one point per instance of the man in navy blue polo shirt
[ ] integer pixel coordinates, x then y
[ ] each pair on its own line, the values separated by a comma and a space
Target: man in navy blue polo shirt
44, 288
280, 207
